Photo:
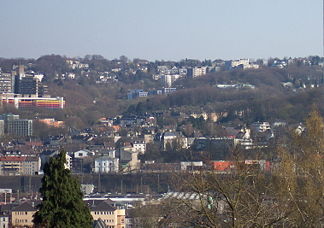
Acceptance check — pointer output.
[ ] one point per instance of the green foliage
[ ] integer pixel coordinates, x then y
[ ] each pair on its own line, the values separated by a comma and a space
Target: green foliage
62, 204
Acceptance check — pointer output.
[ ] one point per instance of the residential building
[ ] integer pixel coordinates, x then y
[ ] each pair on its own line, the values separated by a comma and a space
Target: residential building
47, 154
22, 215
196, 72
106, 164
169, 79
31, 165
112, 215
168, 138
7, 83
169, 90
132, 94
4, 221
240, 64
19, 165
83, 153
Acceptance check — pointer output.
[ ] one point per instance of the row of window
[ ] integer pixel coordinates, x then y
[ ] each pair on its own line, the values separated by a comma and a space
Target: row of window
21, 220
108, 220
103, 212
21, 212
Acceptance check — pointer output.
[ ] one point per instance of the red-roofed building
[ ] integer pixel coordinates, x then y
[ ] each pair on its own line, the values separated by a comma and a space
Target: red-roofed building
19, 165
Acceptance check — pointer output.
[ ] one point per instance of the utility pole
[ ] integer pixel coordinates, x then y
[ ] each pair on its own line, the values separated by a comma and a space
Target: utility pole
99, 183
158, 180
322, 80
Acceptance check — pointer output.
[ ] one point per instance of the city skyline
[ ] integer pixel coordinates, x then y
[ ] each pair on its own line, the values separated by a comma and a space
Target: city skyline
162, 30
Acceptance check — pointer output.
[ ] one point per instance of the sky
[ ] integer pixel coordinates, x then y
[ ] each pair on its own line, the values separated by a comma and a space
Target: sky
161, 29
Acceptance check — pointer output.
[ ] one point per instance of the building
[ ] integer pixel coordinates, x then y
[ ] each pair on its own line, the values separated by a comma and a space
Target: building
132, 94
106, 164
28, 86
19, 165
31, 166
169, 79
139, 146
52, 122
22, 215
7, 83
6, 118
83, 153
240, 64
47, 154
196, 72
32, 101
169, 90
189, 166
4, 221
112, 215
259, 127
20, 127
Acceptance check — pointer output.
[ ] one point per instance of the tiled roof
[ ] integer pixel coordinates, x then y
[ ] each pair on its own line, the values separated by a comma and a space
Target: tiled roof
12, 158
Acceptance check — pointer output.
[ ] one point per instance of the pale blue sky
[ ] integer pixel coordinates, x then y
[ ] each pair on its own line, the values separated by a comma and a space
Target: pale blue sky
161, 29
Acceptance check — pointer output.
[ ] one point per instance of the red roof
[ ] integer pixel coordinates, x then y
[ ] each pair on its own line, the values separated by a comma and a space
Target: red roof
12, 159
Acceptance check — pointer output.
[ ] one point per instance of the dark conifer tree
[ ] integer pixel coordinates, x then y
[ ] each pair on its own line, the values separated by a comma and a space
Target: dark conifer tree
62, 204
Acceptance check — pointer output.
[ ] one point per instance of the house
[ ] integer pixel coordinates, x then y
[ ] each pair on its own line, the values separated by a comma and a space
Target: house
106, 164
47, 154
83, 153
113, 216
168, 137
22, 215
19, 165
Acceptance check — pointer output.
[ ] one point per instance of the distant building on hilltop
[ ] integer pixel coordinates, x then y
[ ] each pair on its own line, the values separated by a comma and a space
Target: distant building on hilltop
196, 72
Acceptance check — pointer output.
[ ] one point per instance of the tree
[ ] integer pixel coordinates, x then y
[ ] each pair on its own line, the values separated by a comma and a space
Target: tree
241, 198
62, 204
301, 179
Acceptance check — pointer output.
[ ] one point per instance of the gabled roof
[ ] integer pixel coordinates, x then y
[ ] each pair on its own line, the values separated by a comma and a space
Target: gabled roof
99, 224
101, 206
24, 207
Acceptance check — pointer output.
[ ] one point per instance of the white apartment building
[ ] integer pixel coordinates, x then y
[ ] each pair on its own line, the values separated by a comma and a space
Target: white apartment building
106, 164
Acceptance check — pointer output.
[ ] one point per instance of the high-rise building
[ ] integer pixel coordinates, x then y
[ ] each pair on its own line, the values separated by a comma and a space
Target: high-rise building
7, 82
28, 86
6, 118
21, 127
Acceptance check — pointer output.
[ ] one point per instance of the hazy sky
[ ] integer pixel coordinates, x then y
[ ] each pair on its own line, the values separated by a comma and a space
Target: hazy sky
161, 29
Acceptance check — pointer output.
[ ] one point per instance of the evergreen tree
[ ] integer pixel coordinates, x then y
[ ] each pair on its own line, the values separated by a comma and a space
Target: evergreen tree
62, 204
